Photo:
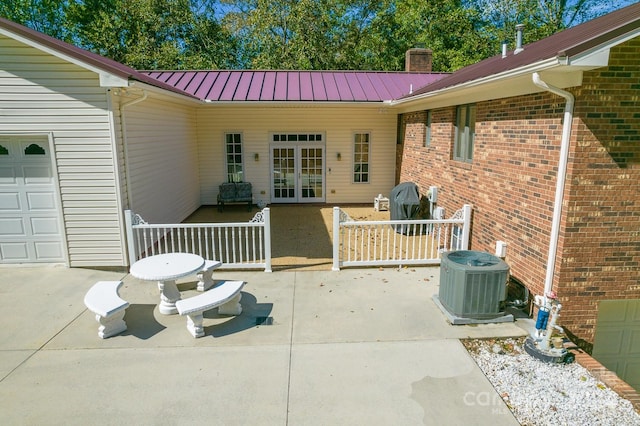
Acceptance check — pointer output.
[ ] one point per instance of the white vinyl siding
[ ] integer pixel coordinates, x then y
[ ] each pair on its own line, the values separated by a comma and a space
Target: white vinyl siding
336, 123
42, 94
162, 159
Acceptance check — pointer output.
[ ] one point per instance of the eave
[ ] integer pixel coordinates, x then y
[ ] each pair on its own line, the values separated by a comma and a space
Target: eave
107, 78
562, 71
503, 85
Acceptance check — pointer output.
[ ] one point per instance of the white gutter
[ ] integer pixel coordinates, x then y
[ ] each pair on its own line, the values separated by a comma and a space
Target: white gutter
125, 142
146, 87
298, 104
116, 173
560, 181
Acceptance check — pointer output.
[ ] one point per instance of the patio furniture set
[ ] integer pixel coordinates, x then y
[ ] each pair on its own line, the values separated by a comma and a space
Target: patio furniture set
104, 300
235, 192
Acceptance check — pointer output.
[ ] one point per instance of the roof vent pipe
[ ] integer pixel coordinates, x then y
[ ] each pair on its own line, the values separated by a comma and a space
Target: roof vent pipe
504, 49
519, 47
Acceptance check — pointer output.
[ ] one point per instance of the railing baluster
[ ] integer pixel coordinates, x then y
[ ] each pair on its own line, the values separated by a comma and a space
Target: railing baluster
233, 242
413, 241
139, 238
244, 244
168, 239
420, 241
359, 243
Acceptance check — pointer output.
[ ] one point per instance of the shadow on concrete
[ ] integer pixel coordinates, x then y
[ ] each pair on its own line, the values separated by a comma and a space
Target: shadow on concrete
253, 315
141, 322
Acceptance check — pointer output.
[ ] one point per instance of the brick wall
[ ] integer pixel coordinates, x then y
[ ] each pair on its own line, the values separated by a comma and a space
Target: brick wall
511, 184
601, 248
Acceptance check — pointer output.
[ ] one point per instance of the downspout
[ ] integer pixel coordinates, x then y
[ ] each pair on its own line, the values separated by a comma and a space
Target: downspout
125, 142
562, 171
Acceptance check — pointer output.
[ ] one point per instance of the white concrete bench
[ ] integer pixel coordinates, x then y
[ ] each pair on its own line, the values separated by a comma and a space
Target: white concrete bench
205, 275
225, 296
103, 300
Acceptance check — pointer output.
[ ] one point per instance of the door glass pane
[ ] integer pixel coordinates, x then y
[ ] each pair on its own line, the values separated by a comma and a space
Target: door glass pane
283, 169
297, 170
311, 172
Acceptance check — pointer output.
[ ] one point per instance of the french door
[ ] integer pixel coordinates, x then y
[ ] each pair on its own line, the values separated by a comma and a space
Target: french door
297, 173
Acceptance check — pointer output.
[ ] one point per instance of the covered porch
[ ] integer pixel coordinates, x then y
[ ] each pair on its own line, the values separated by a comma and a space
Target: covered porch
301, 233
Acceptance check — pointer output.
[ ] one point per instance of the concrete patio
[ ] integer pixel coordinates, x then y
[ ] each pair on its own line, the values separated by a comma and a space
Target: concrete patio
364, 346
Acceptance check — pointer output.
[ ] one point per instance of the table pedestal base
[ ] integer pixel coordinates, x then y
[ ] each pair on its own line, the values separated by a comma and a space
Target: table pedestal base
111, 325
169, 295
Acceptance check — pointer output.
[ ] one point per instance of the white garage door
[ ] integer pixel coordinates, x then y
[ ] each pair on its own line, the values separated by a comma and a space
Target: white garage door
29, 218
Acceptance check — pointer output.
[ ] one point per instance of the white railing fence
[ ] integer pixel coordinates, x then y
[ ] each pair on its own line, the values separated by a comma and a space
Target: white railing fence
239, 245
397, 242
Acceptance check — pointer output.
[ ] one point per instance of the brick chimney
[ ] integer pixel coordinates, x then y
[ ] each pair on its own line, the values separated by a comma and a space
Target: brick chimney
418, 59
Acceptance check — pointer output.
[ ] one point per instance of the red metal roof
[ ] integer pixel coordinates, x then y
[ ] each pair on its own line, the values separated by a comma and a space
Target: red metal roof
295, 86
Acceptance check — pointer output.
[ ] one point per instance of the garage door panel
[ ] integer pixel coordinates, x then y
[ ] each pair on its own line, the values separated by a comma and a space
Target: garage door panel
12, 150
631, 372
41, 201
8, 175
36, 175
634, 342
611, 341
16, 252
613, 311
44, 226
10, 202
634, 313
12, 227
48, 251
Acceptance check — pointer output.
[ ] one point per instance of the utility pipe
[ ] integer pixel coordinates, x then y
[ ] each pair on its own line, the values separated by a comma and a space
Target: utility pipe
560, 181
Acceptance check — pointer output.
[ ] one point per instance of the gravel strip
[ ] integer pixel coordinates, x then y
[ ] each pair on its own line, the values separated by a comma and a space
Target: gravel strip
540, 393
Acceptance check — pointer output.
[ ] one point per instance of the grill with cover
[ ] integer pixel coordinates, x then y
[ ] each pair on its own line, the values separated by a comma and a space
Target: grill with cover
404, 204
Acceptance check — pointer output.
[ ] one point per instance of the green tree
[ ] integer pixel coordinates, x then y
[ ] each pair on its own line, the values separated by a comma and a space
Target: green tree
452, 31
355, 34
288, 34
46, 16
541, 18
151, 34
298, 34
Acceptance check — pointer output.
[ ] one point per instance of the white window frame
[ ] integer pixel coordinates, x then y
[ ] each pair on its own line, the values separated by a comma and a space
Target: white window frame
465, 133
427, 129
234, 176
357, 161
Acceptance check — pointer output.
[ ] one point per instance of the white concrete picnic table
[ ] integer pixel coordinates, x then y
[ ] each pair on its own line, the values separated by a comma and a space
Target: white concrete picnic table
165, 269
